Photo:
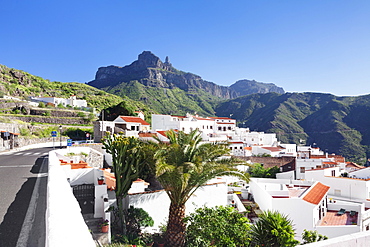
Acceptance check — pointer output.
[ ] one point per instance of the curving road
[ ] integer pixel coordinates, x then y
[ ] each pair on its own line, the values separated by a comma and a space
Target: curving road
23, 179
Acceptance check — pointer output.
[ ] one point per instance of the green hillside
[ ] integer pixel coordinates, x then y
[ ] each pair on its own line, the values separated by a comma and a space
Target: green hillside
21, 84
167, 100
336, 124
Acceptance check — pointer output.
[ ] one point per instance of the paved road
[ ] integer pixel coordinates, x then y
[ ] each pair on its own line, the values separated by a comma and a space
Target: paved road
23, 177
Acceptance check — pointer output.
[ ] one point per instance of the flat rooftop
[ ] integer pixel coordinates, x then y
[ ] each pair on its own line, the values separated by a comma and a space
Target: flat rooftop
333, 219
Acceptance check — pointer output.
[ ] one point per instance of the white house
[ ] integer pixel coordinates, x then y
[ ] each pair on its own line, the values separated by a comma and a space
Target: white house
306, 204
72, 101
127, 125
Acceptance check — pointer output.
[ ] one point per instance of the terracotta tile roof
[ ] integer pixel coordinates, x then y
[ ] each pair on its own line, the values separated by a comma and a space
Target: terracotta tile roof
222, 118
272, 149
225, 123
134, 120
337, 158
202, 118
147, 134
178, 116
235, 142
352, 164
163, 132
316, 193
248, 148
330, 163
316, 169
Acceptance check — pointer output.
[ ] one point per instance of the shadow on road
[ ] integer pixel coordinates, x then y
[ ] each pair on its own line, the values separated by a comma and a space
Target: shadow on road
11, 226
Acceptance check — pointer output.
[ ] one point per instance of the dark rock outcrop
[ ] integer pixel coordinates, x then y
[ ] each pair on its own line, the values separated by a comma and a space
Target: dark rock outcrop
245, 87
150, 71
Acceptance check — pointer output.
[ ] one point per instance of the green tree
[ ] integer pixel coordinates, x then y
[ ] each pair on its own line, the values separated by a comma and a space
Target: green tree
258, 171
312, 236
128, 158
182, 166
136, 218
273, 230
219, 226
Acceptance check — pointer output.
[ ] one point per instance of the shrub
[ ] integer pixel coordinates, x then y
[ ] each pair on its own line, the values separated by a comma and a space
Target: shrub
219, 226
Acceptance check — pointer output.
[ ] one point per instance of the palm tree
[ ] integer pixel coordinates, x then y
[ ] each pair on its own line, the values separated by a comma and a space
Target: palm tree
273, 230
183, 165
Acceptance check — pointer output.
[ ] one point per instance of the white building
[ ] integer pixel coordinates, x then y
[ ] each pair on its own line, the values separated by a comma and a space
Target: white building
222, 129
306, 204
212, 128
126, 125
72, 101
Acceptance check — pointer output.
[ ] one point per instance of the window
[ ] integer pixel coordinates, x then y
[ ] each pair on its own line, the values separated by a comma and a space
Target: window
333, 173
229, 128
211, 127
241, 147
219, 128
303, 169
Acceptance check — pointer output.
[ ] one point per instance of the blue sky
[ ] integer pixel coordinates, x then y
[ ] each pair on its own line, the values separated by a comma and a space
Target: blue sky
302, 46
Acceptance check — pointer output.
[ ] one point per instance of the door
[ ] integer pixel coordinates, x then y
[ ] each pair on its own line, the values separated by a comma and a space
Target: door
85, 195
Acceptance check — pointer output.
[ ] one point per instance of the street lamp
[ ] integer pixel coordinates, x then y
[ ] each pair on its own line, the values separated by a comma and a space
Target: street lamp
60, 135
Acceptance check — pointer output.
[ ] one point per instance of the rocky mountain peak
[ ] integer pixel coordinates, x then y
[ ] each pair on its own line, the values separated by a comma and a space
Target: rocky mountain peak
148, 60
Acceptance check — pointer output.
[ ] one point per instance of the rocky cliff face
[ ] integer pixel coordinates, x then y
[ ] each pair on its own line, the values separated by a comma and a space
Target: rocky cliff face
150, 71
245, 87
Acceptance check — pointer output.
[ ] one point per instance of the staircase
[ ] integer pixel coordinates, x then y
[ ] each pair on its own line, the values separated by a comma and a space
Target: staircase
93, 225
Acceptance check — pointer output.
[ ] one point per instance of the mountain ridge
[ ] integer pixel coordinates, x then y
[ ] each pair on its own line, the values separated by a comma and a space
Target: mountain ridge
153, 74
336, 124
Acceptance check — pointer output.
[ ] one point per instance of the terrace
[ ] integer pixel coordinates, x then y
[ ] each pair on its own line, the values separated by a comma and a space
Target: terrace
332, 218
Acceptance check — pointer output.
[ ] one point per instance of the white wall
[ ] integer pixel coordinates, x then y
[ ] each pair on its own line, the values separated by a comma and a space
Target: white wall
261, 196
308, 164
157, 203
337, 231
285, 175
65, 225
362, 173
359, 239
343, 187
81, 176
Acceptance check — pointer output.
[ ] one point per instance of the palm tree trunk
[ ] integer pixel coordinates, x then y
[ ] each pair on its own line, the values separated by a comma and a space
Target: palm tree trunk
175, 234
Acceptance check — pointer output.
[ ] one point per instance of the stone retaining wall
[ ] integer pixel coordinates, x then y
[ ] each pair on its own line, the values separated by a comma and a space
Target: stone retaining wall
51, 120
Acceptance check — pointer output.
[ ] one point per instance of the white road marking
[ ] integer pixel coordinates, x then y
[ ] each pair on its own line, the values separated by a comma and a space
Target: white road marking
30, 215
